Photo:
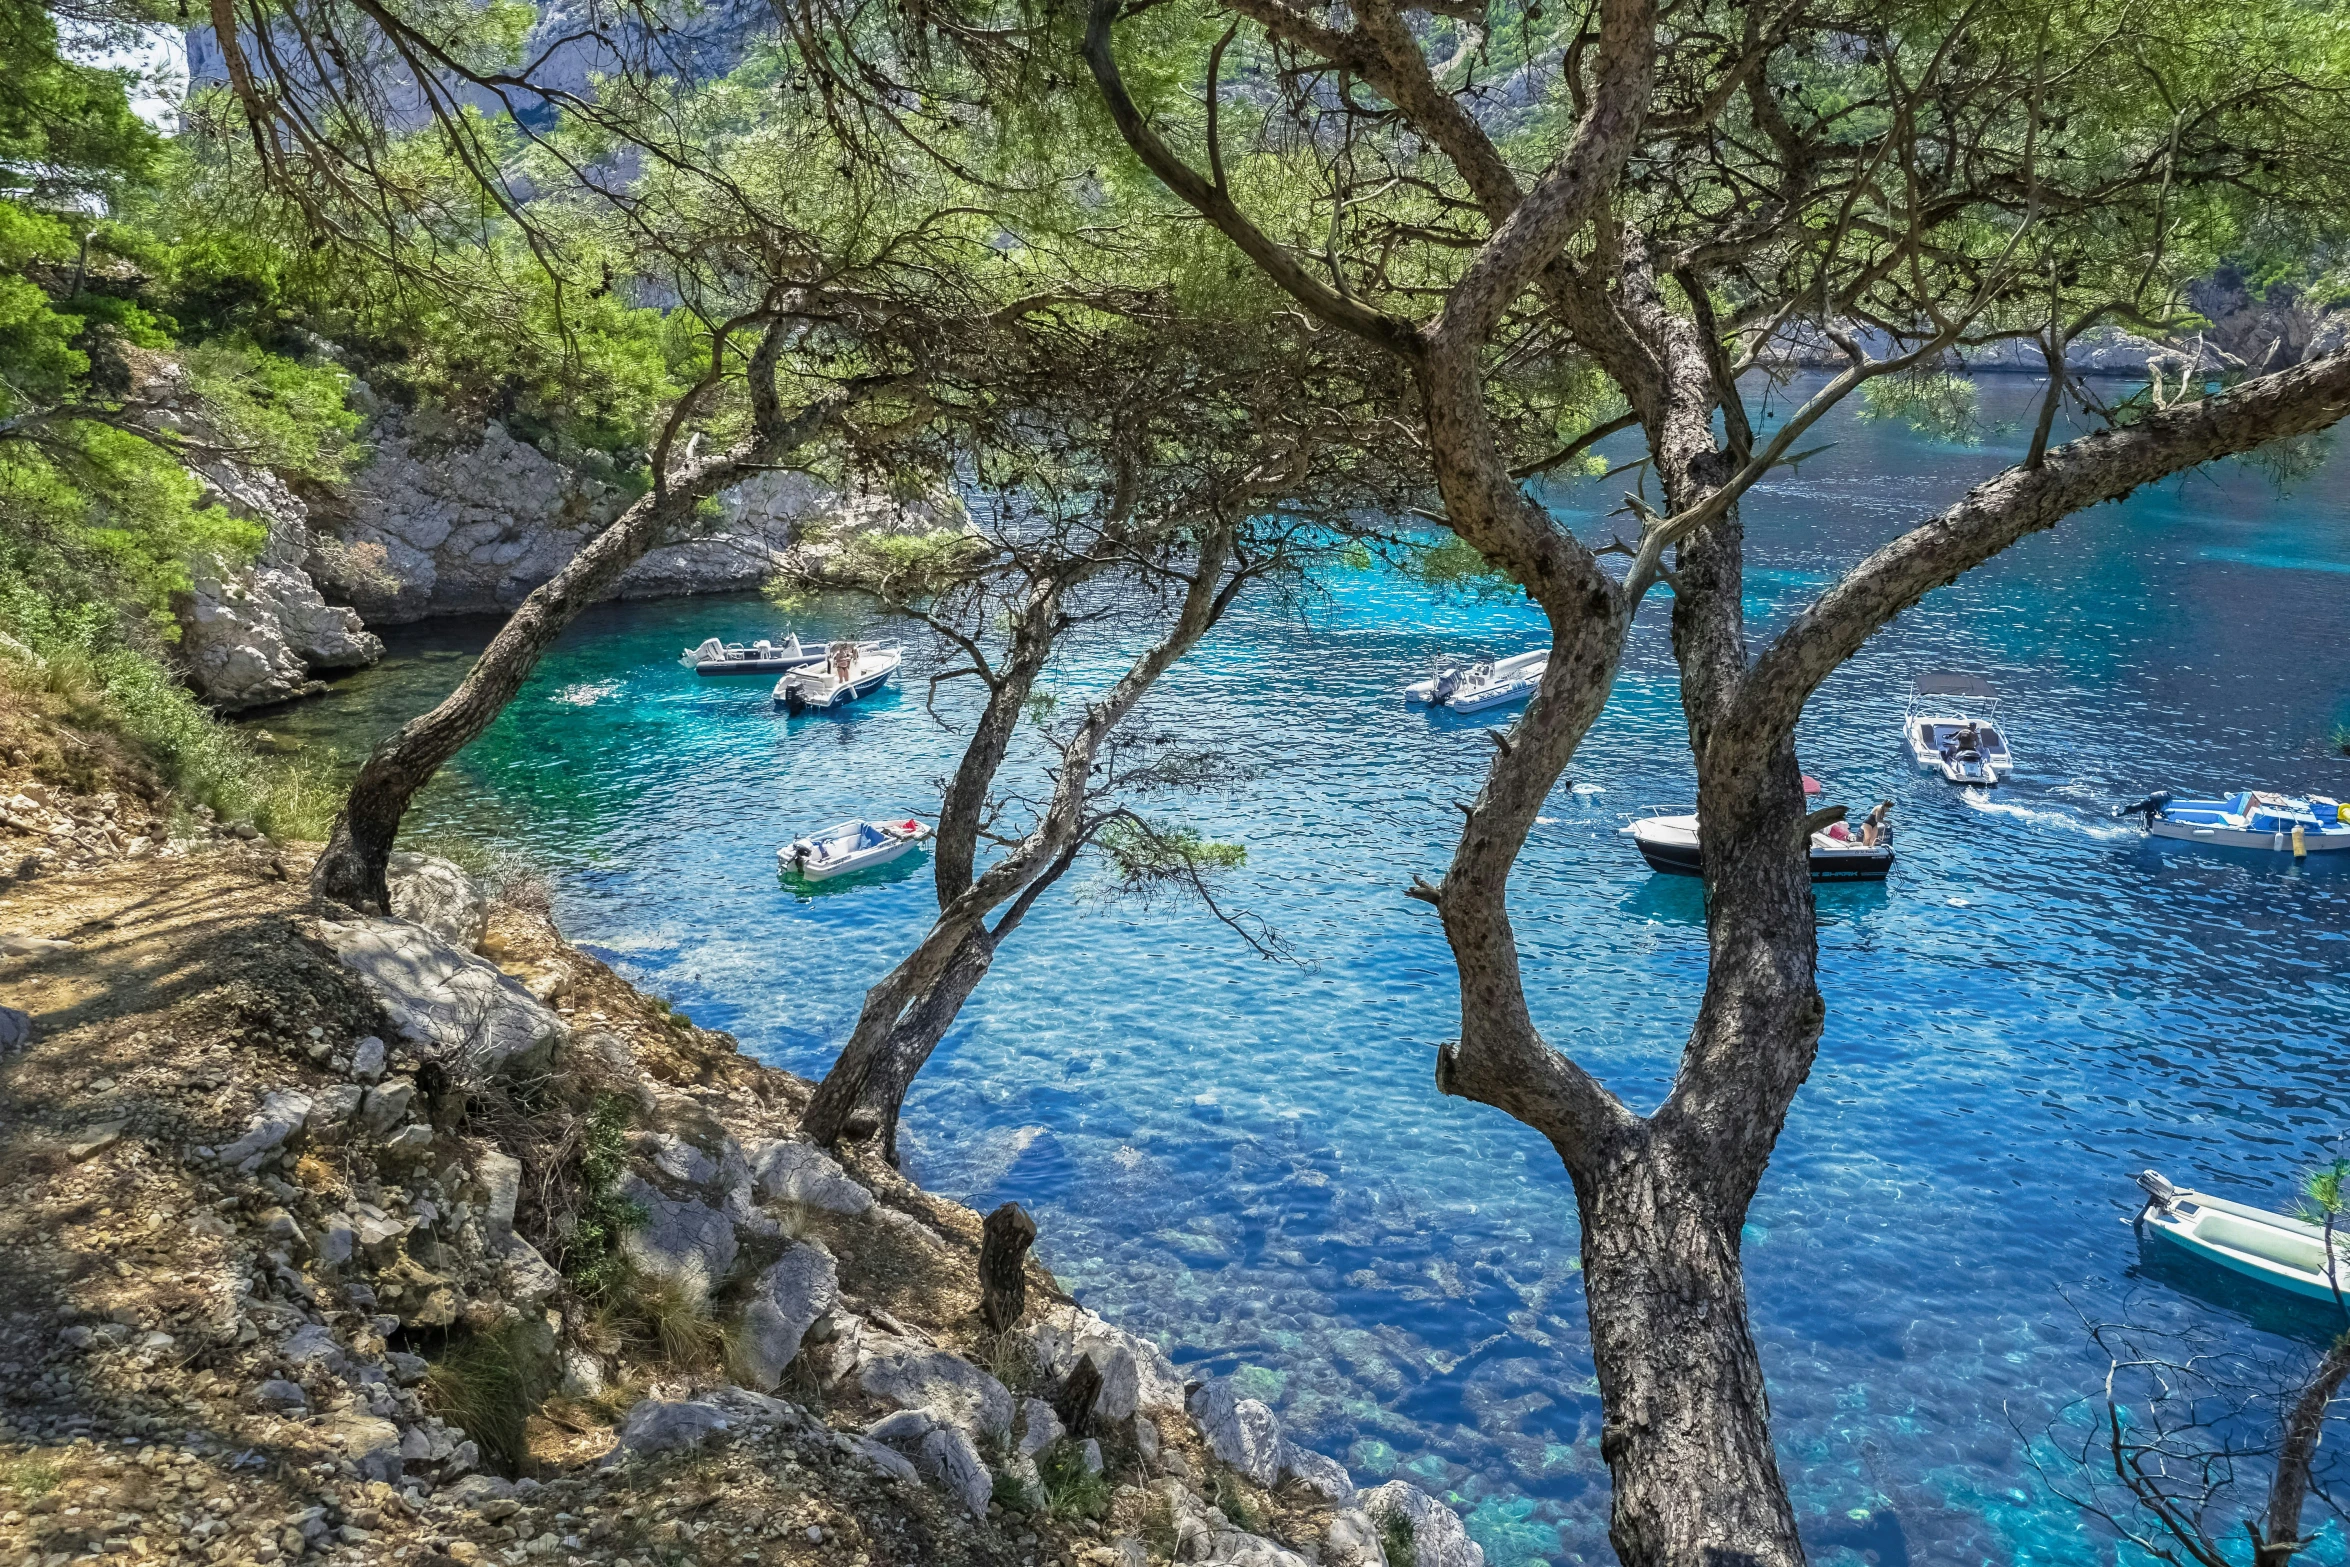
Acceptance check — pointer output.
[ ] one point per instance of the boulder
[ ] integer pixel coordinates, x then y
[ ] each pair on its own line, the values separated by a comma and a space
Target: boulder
659, 1425
500, 1175
948, 1388
686, 1242
281, 1115
1204, 1534
784, 1170
332, 1105
1439, 1538
1324, 1476
438, 895
458, 1009
370, 1445
785, 1303
1060, 1334
1040, 1428
283, 1396
1243, 1432
949, 1458
883, 1459
16, 1030
386, 1105
1352, 1540
369, 1058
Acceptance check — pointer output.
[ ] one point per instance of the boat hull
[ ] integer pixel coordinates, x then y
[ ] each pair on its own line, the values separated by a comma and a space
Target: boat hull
710, 667
1672, 848
2237, 838
2252, 1243
849, 865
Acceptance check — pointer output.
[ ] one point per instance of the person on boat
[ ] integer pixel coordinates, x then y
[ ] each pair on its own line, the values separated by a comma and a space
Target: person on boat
844, 659
1872, 829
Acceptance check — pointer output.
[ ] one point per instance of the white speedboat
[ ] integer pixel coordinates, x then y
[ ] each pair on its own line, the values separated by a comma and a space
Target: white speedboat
2270, 1247
850, 670
2250, 819
1488, 682
848, 847
1667, 840
762, 657
1952, 726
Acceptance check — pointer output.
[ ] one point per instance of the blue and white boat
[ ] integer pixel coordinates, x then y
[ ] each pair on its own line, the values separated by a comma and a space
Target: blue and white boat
762, 657
850, 671
2270, 1247
1487, 682
849, 847
1953, 727
2250, 819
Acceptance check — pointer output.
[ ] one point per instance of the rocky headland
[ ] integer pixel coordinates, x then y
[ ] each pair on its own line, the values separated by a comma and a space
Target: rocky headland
426, 1238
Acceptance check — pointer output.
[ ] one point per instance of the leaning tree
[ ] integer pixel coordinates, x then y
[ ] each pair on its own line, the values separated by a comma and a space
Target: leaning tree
1197, 457
1675, 193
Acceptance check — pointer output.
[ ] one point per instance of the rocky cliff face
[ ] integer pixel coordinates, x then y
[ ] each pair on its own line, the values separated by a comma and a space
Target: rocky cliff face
257, 634
432, 527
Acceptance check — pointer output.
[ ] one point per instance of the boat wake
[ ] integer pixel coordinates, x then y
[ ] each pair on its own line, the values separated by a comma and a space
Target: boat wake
2064, 821
587, 693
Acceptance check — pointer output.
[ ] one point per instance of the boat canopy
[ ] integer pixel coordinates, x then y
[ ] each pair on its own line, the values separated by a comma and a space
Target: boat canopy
1952, 685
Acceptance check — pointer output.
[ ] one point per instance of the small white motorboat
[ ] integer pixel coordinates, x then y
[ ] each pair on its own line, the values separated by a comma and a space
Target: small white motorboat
2285, 1252
849, 670
2250, 819
1488, 682
762, 657
1667, 839
1952, 726
848, 847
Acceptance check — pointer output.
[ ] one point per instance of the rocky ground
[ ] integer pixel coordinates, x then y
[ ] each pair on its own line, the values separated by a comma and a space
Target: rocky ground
428, 1238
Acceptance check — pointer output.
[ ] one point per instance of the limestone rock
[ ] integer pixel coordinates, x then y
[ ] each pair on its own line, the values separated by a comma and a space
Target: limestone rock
386, 1105
455, 1007
1040, 1428
281, 1115
279, 1394
948, 1457
946, 1387
1243, 1432
658, 1425
1352, 1540
369, 1444
16, 1030
332, 1105
686, 1242
1059, 1334
436, 894
784, 1170
885, 1460
368, 1059
1326, 1477
253, 634
500, 1175
1439, 1538
785, 1303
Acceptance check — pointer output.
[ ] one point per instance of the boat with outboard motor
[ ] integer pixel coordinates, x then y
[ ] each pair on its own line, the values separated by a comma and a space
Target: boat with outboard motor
762, 657
1487, 682
847, 847
2249, 819
850, 670
1952, 725
2275, 1249
1667, 839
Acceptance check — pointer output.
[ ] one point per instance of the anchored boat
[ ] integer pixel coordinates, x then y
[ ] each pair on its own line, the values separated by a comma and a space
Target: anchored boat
2250, 819
847, 847
1952, 726
762, 657
849, 671
1667, 839
2286, 1252
1473, 687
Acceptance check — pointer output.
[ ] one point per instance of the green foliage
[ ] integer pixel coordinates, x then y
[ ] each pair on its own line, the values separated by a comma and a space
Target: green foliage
1397, 1540
1234, 1502
280, 413
1450, 566
592, 1258
1147, 855
1071, 1490
2292, 462
491, 1384
1938, 404
2325, 1191
65, 128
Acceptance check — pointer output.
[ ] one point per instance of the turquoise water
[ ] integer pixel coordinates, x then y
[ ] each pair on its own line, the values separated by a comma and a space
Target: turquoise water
1248, 1159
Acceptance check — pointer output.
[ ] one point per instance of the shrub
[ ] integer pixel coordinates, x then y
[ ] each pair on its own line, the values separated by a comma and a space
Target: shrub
1398, 1541
491, 1384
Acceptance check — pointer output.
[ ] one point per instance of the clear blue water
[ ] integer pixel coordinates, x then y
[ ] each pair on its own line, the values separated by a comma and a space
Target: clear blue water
1249, 1160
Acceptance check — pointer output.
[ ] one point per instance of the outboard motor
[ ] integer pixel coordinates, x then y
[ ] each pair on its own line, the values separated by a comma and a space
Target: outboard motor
2150, 807
1446, 684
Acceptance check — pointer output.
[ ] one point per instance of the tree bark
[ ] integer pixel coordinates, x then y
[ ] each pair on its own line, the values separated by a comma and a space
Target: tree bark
351, 868
1003, 1266
2304, 1425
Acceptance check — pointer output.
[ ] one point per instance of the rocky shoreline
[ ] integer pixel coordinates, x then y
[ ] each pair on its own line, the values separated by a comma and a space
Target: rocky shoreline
427, 1238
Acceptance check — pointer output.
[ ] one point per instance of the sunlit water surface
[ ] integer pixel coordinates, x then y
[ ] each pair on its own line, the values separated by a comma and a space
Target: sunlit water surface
1248, 1160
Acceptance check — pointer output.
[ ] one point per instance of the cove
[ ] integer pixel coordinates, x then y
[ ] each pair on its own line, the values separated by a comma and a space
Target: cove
1249, 1159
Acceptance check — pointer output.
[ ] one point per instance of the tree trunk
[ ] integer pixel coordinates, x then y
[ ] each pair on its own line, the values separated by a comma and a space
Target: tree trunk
2304, 1425
351, 869
1003, 1266
877, 1067
1688, 1435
